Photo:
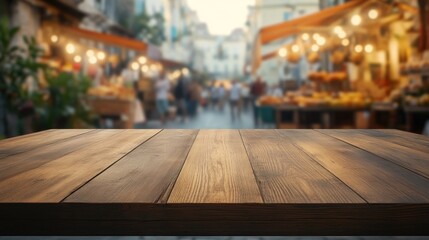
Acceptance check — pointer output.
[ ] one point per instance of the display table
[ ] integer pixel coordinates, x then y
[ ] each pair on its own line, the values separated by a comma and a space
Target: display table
215, 182
121, 108
413, 113
326, 115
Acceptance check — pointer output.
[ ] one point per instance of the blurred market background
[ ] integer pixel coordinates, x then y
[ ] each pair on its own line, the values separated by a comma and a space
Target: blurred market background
213, 64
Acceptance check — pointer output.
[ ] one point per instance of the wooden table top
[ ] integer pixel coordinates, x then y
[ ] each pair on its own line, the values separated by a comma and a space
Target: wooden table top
215, 182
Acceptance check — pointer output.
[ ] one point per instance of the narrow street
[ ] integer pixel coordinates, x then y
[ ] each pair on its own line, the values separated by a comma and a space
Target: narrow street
210, 118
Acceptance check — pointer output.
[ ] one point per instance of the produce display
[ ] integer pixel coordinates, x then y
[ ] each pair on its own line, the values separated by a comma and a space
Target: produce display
422, 100
313, 57
357, 58
112, 91
327, 77
293, 57
338, 57
342, 99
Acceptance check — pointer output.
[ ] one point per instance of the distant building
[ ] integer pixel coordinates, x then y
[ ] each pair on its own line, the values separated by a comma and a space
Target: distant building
222, 56
270, 12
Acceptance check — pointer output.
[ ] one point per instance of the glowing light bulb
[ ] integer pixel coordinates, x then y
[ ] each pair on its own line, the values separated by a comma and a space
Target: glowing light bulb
316, 36
305, 36
101, 56
185, 71
342, 35
282, 52
315, 48
295, 48
92, 60
77, 59
70, 48
142, 60
369, 48
345, 42
321, 41
145, 68
90, 53
356, 20
54, 38
135, 66
338, 29
373, 14
358, 48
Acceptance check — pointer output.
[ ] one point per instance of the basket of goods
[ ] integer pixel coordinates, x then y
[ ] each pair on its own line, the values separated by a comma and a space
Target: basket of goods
293, 57
313, 57
338, 76
318, 76
270, 100
112, 91
338, 57
356, 58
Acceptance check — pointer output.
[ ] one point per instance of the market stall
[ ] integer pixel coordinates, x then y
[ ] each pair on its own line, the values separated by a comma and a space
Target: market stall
363, 64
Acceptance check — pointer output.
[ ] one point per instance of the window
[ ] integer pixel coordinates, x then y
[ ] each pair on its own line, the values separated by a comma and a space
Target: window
287, 16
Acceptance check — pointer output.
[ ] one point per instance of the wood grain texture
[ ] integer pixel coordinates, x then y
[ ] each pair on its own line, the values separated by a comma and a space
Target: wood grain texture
25, 143
413, 143
54, 181
217, 170
407, 157
31, 159
416, 141
286, 174
214, 219
372, 177
144, 175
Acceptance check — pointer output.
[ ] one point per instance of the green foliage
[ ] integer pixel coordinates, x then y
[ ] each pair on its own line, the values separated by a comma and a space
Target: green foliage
149, 28
17, 64
62, 104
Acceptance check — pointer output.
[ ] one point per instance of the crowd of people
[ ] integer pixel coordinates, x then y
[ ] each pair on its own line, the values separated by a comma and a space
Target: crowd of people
185, 96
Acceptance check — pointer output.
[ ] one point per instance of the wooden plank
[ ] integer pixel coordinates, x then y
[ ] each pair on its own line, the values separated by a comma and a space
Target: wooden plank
32, 159
25, 143
214, 219
409, 158
217, 170
373, 178
285, 174
144, 175
410, 142
421, 139
54, 181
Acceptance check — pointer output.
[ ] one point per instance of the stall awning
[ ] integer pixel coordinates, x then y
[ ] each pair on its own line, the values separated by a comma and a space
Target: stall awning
288, 28
171, 64
106, 38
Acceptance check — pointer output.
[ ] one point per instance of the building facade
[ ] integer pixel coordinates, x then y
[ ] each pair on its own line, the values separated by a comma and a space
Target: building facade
269, 12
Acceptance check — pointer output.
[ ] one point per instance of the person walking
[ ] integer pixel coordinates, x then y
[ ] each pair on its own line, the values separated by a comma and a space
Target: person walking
221, 96
194, 96
162, 88
180, 92
214, 95
257, 90
235, 100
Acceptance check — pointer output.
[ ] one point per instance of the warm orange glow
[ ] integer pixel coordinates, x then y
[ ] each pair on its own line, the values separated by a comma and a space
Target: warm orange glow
356, 20
77, 59
358, 48
135, 66
70, 48
345, 42
282, 52
369, 48
373, 14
